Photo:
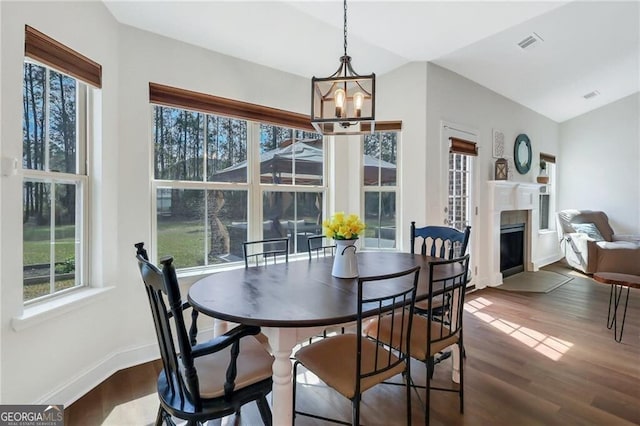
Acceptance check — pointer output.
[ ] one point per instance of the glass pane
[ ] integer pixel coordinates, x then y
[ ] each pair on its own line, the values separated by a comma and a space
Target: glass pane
65, 236
380, 219
226, 149
544, 211
199, 231
389, 157
178, 139
33, 146
289, 214
288, 160
227, 212
380, 159
180, 229
62, 123
36, 239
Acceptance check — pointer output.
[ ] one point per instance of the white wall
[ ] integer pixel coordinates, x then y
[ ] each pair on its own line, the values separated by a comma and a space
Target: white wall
452, 98
599, 163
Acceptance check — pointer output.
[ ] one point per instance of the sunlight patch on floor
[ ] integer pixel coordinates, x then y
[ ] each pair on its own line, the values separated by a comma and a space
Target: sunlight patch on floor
132, 411
549, 346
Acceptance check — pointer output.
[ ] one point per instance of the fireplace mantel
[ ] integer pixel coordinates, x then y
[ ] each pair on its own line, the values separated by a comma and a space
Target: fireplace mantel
505, 196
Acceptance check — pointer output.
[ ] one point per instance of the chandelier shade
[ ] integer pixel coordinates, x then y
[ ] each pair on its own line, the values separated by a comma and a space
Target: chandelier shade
340, 102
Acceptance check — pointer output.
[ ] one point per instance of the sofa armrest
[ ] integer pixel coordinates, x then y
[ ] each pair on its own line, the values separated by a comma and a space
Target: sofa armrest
581, 251
631, 238
624, 260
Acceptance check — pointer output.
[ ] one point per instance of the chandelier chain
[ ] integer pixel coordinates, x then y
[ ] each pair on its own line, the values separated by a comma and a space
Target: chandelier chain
345, 27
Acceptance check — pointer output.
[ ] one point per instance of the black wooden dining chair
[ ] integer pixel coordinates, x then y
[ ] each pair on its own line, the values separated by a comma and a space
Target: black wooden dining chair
352, 363
318, 245
263, 250
446, 243
447, 282
209, 380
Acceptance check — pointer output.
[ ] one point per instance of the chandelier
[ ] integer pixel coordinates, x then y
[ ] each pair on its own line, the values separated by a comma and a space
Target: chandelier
341, 102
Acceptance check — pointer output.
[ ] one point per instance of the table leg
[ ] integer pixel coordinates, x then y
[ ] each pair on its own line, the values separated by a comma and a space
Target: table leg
455, 363
282, 341
612, 320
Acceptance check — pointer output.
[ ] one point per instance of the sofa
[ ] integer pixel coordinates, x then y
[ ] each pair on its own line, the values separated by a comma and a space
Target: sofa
590, 244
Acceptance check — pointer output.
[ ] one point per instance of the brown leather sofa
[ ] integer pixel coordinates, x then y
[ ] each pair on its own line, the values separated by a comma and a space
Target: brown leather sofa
597, 250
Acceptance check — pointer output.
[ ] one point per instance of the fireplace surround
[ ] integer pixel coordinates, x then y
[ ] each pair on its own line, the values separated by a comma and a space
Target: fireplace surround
518, 201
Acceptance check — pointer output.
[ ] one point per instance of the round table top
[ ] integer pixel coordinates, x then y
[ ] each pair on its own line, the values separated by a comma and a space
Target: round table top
299, 293
617, 279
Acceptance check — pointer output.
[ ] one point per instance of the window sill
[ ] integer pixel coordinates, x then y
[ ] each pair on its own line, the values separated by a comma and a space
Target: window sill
547, 231
41, 312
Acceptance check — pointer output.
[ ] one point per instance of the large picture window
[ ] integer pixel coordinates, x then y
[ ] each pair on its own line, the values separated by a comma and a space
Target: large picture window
380, 159
221, 180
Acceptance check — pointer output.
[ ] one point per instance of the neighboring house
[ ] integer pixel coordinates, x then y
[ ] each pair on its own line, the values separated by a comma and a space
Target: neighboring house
57, 351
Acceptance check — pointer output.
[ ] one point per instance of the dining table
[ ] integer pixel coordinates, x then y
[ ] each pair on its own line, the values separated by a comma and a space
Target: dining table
296, 300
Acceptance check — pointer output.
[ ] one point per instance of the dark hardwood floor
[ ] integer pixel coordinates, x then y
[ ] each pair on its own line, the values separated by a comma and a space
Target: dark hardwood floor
532, 359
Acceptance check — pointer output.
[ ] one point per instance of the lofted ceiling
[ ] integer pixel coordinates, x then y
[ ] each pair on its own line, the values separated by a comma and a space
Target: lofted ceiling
582, 47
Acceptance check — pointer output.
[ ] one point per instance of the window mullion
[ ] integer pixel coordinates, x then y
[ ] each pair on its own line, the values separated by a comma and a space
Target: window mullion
52, 238
45, 130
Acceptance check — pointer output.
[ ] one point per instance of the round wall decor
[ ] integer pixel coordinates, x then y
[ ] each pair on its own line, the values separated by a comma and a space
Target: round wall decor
522, 153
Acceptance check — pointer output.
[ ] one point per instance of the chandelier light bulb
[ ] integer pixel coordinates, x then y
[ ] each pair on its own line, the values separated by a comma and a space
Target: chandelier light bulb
340, 96
358, 101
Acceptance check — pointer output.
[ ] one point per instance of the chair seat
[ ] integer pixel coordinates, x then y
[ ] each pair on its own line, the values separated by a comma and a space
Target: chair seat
418, 342
423, 305
254, 365
333, 360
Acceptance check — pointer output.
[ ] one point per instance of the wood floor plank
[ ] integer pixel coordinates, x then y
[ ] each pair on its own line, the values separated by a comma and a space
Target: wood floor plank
532, 359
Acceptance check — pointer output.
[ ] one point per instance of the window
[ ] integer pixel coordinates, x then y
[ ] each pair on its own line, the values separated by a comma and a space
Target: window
380, 160
221, 180
461, 153
547, 200
55, 178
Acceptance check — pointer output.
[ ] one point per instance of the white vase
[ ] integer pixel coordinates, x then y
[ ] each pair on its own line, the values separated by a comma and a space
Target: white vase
345, 262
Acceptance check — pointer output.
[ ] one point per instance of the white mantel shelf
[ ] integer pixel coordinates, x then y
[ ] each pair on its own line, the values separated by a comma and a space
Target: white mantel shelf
507, 195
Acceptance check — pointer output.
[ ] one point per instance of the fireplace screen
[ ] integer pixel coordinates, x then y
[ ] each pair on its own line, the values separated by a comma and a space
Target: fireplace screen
511, 249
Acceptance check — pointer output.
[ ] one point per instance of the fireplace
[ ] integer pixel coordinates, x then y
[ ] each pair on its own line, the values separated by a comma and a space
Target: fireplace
511, 203
512, 249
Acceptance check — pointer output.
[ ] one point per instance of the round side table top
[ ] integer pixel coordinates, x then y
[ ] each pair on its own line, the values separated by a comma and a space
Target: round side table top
618, 279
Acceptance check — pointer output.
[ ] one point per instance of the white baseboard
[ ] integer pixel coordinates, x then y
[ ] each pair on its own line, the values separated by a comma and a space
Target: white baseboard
541, 263
84, 381
77, 386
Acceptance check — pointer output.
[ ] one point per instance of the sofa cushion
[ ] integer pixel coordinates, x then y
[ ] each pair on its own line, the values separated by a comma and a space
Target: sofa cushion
590, 229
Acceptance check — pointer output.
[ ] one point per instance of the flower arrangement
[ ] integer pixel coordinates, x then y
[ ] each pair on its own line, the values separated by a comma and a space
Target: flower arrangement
343, 227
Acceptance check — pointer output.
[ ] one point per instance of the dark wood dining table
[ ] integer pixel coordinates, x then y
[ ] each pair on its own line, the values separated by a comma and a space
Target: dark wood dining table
293, 301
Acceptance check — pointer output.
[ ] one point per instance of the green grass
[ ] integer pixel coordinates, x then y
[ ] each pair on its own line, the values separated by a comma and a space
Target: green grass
182, 240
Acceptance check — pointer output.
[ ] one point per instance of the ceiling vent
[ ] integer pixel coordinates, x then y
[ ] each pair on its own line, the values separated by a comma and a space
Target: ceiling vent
591, 94
530, 41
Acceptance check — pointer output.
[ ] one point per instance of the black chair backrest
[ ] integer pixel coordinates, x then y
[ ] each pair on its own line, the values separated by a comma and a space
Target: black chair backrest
262, 250
390, 296
160, 284
440, 241
447, 285
318, 244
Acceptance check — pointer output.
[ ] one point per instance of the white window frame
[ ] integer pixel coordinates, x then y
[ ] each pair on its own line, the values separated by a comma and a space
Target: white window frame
80, 179
254, 188
383, 189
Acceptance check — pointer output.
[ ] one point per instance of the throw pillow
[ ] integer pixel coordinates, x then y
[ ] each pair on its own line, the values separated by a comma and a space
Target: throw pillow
590, 229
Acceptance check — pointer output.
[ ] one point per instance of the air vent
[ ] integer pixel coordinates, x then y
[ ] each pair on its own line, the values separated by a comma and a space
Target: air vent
591, 94
530, 41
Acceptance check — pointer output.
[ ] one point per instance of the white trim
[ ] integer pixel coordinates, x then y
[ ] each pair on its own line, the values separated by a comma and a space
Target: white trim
40, 312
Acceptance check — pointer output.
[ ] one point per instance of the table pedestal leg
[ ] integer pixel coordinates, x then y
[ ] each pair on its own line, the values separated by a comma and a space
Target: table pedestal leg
282, 341
455, 363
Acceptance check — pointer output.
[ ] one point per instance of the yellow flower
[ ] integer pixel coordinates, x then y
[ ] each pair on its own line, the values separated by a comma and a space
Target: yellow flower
343, 227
